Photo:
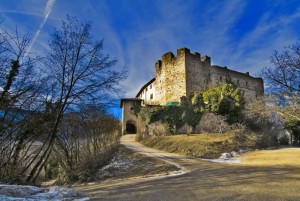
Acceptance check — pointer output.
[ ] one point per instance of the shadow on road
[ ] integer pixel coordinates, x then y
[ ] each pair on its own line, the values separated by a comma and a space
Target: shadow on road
203, 180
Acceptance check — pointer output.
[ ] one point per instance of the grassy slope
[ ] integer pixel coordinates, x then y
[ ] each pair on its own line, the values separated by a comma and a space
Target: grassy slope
202, 145
284, 157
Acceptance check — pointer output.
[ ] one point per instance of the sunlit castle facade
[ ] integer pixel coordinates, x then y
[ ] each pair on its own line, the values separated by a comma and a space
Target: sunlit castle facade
182, 75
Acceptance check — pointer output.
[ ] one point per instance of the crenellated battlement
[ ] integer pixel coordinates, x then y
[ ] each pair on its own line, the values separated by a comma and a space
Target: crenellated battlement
158, 65
206, 59
168, 57
182, 53
183, 75
197, 55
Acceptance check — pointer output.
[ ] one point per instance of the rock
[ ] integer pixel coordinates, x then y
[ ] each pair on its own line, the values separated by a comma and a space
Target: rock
225, 156
234, 153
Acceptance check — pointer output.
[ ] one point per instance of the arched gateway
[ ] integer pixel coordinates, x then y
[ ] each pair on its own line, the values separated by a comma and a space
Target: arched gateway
129, 117
131, 127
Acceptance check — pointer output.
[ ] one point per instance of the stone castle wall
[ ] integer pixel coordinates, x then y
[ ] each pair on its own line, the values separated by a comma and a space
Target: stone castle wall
181, 76
175, 76
188, 73
170, 76
128, 113
251, 87
197, 72
160, 89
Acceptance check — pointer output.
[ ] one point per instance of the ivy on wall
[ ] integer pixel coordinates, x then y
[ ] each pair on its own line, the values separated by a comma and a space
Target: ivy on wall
172, 115
136, 108
175, 116
225, 100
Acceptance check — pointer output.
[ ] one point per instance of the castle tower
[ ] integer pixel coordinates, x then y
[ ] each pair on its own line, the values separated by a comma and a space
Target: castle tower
129, 116
180, 76
186, 73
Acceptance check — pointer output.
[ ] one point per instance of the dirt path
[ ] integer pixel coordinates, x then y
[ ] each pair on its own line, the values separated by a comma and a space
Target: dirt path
171, 158
201, 180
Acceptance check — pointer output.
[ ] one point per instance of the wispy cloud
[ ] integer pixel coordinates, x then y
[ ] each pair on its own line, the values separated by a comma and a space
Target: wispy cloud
152, 36
211, 32
272, 32
47, 11
22, 12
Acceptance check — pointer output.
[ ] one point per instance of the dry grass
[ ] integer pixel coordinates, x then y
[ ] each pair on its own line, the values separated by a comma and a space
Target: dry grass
211, 181
202, 145
284, 157
138, 165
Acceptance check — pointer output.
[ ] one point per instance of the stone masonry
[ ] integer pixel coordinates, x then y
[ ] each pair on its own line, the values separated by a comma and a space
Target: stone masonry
184, 74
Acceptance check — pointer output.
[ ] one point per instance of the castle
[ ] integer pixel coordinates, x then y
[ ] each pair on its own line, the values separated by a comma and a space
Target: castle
182, 76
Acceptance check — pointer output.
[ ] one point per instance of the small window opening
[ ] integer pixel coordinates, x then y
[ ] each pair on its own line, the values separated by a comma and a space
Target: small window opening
151, 96
220, 78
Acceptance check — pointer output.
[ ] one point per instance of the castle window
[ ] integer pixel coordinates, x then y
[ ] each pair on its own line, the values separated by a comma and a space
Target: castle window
150, 86
220, 78
146, 89
151, 96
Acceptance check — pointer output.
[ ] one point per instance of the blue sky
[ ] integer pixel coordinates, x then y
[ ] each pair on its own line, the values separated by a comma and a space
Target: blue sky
239, 34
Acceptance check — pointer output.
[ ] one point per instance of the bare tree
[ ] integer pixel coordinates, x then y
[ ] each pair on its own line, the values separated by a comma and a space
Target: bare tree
79, 73
214, 123
284, 75
85, 140
20, 89
284, 78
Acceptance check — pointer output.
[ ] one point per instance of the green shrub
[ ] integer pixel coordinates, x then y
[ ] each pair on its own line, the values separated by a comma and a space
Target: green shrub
172, 115
226, 100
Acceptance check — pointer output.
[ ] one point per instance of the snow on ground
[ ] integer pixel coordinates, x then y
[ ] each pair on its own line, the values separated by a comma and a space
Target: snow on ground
118, 163
221, 160
33, 193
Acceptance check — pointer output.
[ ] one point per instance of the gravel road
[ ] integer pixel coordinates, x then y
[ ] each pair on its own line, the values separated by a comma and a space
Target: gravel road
200, 180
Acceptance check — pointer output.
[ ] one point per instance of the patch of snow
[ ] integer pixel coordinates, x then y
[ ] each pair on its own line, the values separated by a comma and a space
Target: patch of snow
117, 163
33, 193
221, 160
226, 158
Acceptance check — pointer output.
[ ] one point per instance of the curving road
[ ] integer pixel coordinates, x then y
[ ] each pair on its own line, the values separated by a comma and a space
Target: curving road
201, 180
